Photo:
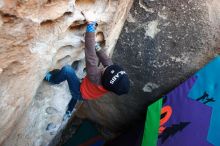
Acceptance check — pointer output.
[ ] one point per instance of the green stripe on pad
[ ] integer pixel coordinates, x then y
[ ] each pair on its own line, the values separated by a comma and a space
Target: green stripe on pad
152, 124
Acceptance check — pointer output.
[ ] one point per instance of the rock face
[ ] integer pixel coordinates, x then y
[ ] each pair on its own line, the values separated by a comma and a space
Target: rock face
163, 42
37, 36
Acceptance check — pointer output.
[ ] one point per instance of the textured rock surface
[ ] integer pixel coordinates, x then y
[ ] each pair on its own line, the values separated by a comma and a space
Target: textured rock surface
36, 36
162, 43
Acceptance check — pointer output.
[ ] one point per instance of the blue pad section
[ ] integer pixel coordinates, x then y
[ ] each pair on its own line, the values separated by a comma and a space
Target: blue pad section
207, 87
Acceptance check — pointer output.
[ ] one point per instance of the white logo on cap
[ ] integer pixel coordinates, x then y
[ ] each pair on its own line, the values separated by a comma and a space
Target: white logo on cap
117, 76
112, 71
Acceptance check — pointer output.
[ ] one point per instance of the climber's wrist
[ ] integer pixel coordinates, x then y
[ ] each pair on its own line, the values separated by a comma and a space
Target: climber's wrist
91, 26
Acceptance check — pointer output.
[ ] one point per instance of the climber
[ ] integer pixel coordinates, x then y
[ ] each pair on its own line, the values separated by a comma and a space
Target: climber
99, 81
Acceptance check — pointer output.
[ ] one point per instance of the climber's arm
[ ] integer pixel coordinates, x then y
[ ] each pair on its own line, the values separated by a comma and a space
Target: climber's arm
94, 73
104, 59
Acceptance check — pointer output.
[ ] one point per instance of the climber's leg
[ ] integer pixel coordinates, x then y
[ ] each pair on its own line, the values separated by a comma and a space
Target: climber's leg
57, 76
67, 73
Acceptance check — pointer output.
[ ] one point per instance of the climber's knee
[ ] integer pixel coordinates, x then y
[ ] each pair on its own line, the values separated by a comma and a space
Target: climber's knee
68, 70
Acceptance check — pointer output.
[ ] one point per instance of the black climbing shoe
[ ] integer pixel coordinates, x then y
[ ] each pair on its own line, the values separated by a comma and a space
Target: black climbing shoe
50, 75
68, 114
